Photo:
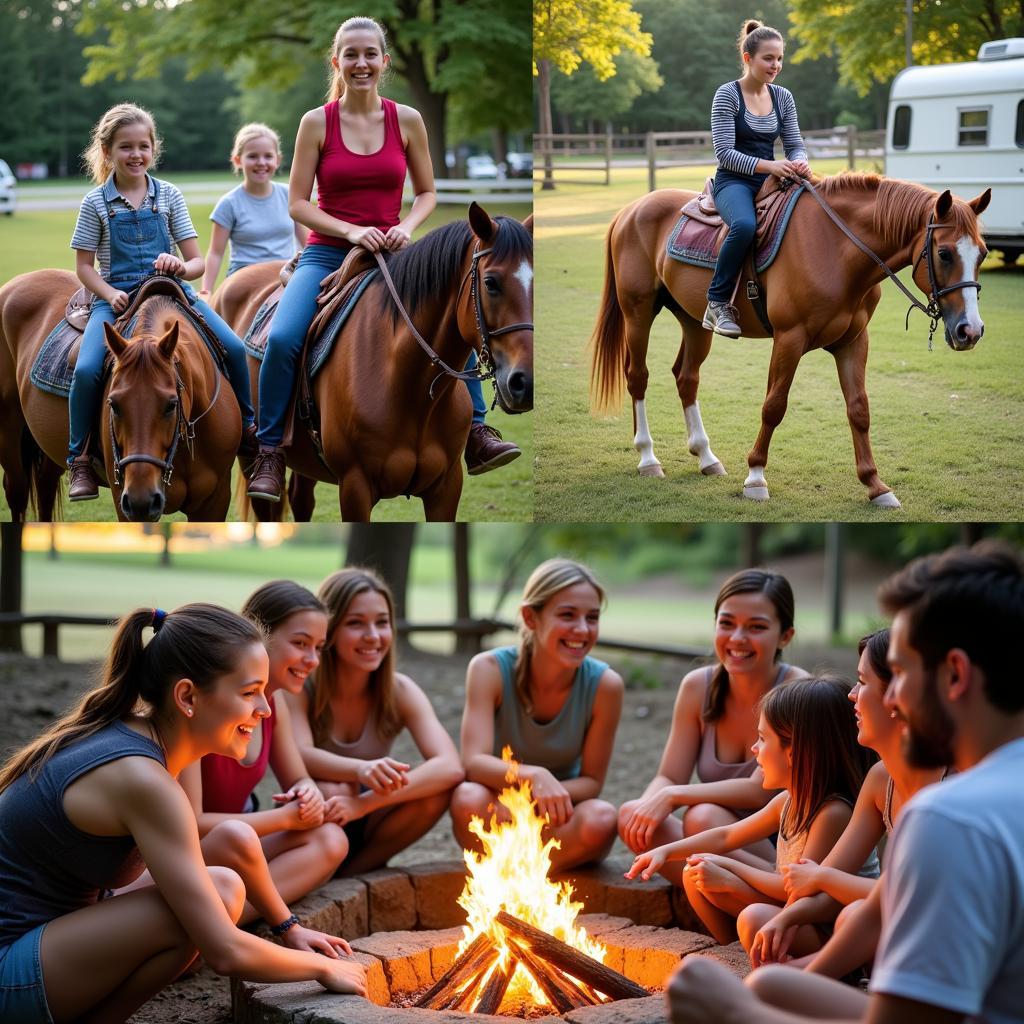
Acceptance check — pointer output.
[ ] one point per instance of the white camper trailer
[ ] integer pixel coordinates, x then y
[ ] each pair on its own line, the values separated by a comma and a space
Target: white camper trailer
961, 127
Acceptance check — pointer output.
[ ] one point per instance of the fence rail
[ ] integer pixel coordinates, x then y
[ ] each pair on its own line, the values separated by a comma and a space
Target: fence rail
472, 629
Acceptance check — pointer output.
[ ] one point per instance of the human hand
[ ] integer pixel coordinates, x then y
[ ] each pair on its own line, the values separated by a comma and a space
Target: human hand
803, 168
802, 878
384, 775
341, 810
166, 263
118, 301
771, 943
648, 813
309, 802
646, 864
396, 238
369, 238
345, 976
309, 940
703, 990
709, 872
551, 797
784, 169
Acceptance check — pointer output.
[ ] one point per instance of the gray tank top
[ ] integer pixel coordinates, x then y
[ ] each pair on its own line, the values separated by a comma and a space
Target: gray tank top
370, 745
556, 745
790, 849
48, 867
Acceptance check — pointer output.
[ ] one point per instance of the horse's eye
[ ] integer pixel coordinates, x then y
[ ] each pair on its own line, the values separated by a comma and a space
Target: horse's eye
115, 409
172, 407
945, 255
492, 285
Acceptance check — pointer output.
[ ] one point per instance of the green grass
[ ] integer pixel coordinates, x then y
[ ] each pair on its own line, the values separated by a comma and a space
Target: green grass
37, 240
946, 426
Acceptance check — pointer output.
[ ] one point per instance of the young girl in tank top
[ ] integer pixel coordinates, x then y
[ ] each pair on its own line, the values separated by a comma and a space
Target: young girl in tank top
301, 849
816, 891
346, 722
556, 707
88, 804
714, 721
807, 747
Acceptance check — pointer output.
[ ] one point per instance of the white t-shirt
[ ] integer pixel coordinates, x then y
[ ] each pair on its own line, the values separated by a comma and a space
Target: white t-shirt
259, 228
953, 894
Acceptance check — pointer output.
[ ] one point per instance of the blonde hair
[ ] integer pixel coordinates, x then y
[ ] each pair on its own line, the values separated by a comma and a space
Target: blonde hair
96, 156
336, 593
545, 581
245, 135
334, 89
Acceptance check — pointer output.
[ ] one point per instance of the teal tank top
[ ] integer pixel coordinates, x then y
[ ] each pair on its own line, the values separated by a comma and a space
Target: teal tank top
556, 745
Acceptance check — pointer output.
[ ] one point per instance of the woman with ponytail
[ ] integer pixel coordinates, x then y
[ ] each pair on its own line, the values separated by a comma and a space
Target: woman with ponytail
556, 707
94, 800
747, 116
714, 722
347, 720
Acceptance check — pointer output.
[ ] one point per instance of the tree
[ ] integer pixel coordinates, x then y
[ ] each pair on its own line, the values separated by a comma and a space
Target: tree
586, 96
868, 35
10, 583
568, 33
386, 548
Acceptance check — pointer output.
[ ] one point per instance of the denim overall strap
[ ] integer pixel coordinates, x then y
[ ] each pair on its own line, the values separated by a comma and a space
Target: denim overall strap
137, 237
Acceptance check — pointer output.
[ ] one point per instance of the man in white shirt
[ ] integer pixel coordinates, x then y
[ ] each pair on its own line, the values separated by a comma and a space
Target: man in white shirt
952, 944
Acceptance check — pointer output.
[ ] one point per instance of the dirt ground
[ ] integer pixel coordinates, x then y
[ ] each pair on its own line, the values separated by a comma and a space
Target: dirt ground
33, 691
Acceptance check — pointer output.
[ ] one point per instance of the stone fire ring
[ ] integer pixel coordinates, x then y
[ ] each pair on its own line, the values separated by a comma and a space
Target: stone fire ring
404, 924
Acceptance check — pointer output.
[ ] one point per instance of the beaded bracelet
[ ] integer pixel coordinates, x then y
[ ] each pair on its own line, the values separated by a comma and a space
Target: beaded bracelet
280, 929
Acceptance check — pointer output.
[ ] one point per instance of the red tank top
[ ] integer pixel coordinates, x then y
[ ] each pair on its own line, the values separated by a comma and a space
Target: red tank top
357, 188
227, 783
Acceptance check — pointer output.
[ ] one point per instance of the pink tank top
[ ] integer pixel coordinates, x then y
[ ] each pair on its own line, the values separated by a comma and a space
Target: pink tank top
227, 783
357, 188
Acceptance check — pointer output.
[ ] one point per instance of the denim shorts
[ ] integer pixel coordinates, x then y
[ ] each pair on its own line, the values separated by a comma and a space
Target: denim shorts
22, 998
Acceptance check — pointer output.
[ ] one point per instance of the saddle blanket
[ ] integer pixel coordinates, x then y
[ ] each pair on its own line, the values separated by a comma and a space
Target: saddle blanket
51, 372
696, 239
255, 340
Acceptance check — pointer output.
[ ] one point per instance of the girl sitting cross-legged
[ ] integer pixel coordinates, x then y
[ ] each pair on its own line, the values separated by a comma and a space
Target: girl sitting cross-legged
806, 746
346, 723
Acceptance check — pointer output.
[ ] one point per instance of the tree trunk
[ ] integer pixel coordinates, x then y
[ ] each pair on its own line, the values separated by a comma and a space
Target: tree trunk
433, 106
11, 573
750, 547
463, 644
387, 548
544, 115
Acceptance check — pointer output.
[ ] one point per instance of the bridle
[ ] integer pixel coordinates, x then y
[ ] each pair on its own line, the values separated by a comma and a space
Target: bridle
184, 429
933, 310
485, 369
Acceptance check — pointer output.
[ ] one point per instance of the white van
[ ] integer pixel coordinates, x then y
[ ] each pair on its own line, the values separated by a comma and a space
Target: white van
961, 127
8, 189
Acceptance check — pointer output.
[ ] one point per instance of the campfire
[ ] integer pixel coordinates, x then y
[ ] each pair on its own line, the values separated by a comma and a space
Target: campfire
522, 947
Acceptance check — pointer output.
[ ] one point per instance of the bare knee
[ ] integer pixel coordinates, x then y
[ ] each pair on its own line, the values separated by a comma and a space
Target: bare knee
625, 813
597, 826
769, 983
467, 799
233, 844
332, 843
701, 817
751, 920
230, 888
847, 912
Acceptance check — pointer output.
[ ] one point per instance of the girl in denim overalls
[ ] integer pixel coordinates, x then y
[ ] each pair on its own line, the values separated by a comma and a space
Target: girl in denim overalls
132, 222
744, 141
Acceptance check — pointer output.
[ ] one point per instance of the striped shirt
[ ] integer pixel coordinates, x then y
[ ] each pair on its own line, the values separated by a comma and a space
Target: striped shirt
92, 232
726, 106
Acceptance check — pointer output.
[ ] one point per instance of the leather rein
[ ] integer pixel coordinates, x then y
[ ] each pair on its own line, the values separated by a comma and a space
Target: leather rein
933, 311
485, 369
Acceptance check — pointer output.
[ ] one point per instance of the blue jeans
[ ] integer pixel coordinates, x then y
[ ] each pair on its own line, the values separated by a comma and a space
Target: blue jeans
735, 202
22, 997
86, 388
288, 333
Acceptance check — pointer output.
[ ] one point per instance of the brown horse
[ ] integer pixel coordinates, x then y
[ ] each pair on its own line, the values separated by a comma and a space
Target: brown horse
821, 292
392, 423
169, 426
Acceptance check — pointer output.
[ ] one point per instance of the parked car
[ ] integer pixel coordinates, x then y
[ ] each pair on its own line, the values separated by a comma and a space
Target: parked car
8, 189
519, 165
481, 166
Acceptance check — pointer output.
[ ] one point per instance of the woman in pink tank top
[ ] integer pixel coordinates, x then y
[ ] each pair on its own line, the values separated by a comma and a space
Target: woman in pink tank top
714, 723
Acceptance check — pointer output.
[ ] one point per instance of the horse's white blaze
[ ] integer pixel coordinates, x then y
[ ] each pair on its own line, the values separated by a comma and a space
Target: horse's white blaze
524, 275
696, 437
969, 253
643, 442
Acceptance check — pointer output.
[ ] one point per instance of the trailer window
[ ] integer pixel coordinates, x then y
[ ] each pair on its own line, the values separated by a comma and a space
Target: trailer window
901, 127
974, 127
1020, 125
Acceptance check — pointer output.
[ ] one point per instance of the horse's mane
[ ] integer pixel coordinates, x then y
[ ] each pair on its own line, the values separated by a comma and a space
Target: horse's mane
151, 321
901, 207
430, 265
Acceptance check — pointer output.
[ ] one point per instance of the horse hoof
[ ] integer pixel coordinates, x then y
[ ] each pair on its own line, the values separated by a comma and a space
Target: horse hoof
886, 500
715, 469
654, 469
756, 492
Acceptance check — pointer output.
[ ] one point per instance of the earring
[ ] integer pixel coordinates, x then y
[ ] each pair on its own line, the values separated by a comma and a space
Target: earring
188, 712
892, 714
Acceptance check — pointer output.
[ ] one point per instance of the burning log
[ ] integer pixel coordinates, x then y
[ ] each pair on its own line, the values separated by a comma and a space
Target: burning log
572, 961
497, 986
562, 993
465, 999
465, 968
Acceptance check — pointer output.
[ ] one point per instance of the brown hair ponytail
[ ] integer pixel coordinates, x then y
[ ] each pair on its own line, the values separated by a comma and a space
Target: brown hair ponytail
752, 34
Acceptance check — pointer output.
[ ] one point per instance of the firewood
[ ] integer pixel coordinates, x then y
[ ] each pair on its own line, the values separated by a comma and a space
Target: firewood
497, 986
553, 986
572, 961
465, 999
467, 964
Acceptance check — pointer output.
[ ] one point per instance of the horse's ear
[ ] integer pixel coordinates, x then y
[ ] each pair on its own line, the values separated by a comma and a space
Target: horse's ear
528, 224
943, 205
480, 221
115, 342
168, 341
981, 202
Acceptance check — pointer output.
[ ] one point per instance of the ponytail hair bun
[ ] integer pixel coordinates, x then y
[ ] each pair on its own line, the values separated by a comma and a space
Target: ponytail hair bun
752, 34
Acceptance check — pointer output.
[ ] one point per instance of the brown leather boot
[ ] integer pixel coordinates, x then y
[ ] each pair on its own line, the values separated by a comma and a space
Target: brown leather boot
485, 450
82, 482
248, 449
267, 480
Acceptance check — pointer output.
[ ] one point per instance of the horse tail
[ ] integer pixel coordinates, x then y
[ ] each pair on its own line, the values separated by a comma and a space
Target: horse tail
34, 462
608, 342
